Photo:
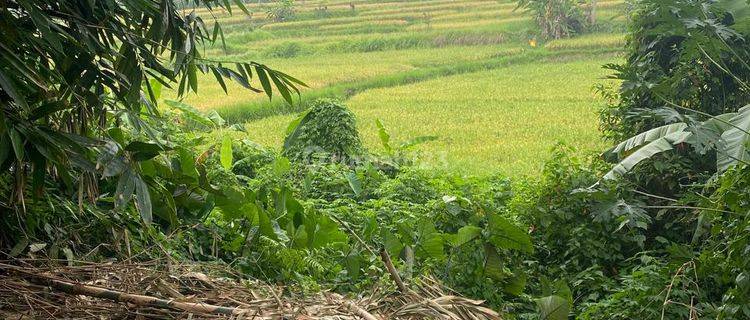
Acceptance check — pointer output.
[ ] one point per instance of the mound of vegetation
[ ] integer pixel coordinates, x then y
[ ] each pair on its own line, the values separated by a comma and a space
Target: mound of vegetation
556, 18
327, 129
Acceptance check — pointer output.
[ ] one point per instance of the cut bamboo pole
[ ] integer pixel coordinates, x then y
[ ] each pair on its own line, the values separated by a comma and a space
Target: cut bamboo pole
392, 270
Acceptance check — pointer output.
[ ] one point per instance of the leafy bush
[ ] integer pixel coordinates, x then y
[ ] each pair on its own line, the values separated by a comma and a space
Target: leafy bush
282, 11
688, 53
285, 50
328, 130
556, 18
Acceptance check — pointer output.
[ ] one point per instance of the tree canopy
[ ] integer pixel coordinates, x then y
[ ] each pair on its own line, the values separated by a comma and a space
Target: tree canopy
71, 69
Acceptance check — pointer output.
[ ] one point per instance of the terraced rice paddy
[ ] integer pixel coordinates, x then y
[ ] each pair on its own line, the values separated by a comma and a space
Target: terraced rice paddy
464, 70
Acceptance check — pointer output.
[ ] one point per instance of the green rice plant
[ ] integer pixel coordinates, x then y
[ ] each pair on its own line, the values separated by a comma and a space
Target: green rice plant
587, 41
483, 5
476, 115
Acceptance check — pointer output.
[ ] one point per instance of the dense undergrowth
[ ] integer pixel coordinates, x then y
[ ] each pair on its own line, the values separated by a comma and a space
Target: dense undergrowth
655, 228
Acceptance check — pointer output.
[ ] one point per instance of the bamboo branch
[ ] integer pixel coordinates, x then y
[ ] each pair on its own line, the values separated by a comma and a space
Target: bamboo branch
357, 310
392, 270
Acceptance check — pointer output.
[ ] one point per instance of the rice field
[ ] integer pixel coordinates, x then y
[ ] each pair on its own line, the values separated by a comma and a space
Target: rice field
471, 72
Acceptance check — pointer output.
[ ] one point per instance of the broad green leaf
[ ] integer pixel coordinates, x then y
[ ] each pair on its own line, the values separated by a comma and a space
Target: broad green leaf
187, 163
143, 200
647, 151
505, 235
264, 225
354, 182
141, 146
385, 138
125, 189
216, 118
326, 231
625, 147
114, 167
553, 308
391, 243
736, 138
430, 242
433, 246
225, 153
516, 284
281, 165
464, 235
353, 265
493, 263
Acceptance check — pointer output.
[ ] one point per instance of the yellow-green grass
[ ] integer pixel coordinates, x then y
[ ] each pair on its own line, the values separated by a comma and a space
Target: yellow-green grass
396, 58
596, 40
249, 41
473, 15
504, 120
500, 25
335, 21
474, 5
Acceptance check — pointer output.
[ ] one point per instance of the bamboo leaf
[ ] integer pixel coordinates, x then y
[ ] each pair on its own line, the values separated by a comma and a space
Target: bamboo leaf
17, 142
12, 91
143, 200
264, 82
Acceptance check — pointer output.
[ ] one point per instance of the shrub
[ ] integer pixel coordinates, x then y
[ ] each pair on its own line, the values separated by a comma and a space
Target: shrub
250, 157
285, 50
688, 53
556, 18
282, 11
327, 131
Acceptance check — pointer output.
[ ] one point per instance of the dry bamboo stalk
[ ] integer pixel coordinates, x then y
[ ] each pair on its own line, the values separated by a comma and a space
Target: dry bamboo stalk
359, 311
137, 299
77, 288
392, 270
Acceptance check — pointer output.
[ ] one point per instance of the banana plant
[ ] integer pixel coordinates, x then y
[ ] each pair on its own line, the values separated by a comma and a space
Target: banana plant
728, 134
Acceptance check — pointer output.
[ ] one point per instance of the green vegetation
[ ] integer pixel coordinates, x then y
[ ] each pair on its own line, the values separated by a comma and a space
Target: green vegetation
370, 50
424, 141
327, 128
